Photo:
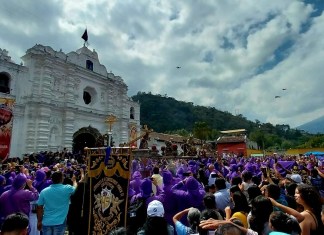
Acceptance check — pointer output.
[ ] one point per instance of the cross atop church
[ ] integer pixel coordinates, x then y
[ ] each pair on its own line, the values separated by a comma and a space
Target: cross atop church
111, 119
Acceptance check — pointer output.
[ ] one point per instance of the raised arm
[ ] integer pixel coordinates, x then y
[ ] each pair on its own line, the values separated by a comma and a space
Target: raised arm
288, 210
213, 224
179, 215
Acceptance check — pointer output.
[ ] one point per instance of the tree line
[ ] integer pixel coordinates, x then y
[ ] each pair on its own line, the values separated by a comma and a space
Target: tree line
167, 115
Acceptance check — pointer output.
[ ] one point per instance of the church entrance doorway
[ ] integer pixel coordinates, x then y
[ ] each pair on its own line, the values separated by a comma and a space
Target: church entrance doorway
85, 137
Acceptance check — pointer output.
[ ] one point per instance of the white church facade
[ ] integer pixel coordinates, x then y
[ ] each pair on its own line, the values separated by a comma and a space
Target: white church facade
62, 101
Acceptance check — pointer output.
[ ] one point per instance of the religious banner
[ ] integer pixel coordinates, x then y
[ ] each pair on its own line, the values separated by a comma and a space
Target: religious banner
109, 178
6, 120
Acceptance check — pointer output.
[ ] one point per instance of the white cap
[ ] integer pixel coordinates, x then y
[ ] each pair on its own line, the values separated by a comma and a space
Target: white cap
296, 178
155, 209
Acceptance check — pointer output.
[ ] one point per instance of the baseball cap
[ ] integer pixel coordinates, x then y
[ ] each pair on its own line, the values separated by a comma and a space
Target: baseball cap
296, 178
155, 209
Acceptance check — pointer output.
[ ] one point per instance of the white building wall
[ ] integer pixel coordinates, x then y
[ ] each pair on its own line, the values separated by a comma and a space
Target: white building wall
49, 99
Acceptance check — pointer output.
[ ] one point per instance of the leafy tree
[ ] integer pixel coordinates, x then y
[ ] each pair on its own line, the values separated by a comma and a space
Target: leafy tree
258, 136
201, 131
286, 144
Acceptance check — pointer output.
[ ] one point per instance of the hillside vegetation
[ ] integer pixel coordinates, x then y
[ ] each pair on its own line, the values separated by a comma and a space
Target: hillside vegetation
167, 115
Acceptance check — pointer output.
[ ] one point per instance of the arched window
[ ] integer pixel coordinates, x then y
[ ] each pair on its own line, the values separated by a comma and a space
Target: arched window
86, 97
4, 82
89, 95
132, 113
89, 65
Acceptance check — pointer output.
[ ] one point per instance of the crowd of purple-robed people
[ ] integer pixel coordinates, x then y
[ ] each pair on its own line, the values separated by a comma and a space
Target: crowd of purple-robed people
177, 183
21, 181
181, 184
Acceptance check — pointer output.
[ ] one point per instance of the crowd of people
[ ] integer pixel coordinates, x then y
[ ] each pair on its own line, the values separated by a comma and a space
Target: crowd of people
210, 195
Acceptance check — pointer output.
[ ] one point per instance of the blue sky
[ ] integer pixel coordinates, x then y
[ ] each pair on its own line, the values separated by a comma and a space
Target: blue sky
234, 55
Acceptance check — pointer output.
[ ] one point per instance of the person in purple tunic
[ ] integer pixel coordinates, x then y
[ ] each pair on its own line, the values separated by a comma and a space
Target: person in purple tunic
3, 186
145, 191
189, 196
18, 199
40, 181
136, 182
167, 197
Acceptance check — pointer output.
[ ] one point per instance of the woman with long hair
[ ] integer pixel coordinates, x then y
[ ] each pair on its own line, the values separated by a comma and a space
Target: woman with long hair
310, 199
260, 213
240, 209
253, 192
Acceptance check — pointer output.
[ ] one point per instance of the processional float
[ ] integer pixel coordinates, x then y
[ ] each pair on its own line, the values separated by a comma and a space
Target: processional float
108, 179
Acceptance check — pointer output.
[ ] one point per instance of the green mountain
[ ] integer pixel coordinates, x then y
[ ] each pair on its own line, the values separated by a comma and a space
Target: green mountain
167, 115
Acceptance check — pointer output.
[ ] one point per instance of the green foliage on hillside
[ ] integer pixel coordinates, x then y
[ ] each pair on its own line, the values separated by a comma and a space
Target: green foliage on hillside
167, 115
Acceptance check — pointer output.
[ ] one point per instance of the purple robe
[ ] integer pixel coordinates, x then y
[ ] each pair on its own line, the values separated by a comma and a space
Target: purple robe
191, 196
17, 201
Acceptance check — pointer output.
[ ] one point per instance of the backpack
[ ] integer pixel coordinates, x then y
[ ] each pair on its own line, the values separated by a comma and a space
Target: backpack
136, 215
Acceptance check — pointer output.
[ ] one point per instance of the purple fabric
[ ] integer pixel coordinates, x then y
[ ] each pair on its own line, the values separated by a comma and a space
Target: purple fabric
108, 151
231, 175
40, 181
9, 181
131, 192
216, 165
4, 189
19, 181
224, 171
191, 183
189, 198
46, 169
192, 163
2, 179
167, 177
40, 176
17, 201
249, 167
285, 164
192, 169
168, 198
180, 172
146, 187
233, 167
310, 166
12, 174
240, 165
137, 175
233, 161
135, 184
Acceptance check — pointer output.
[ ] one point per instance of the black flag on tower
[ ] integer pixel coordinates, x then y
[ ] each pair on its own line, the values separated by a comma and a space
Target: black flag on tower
85, 36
